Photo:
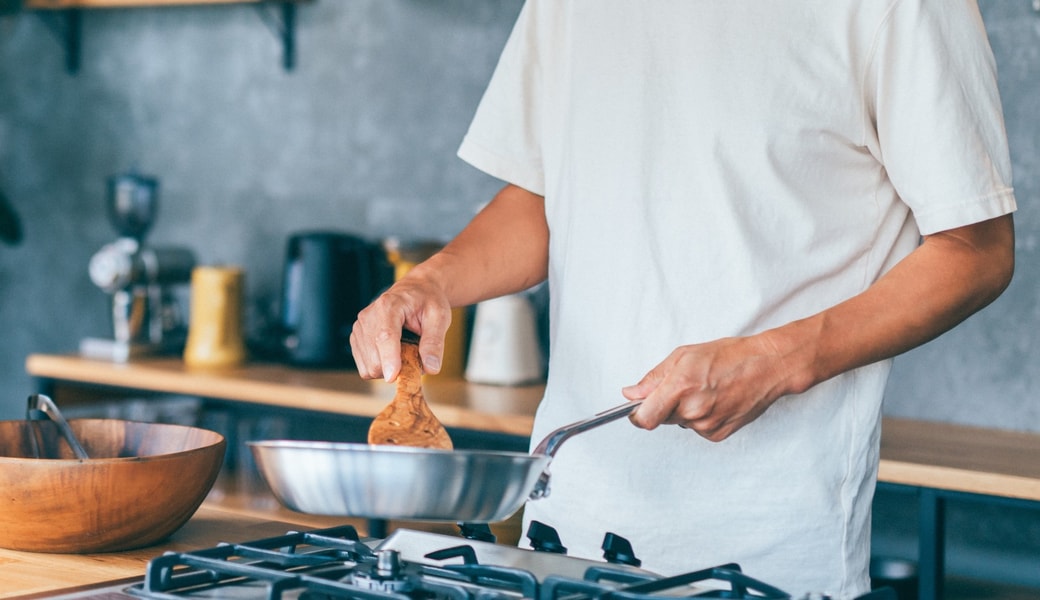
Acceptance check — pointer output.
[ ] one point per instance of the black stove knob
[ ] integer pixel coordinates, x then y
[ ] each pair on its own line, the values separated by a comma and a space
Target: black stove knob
480, 532
618, 550
544, 538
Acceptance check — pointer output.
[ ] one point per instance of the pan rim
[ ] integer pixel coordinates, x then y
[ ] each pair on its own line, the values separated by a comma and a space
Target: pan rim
387, 449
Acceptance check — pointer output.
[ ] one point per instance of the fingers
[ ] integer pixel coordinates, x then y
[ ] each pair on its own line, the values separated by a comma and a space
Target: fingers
376, 355
677, 392
665, 401
695, 412
658, 404
375, 339
640, 390
433, 329
700, 411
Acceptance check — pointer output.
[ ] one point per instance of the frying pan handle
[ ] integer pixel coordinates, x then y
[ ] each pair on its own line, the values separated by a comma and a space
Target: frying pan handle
552, 442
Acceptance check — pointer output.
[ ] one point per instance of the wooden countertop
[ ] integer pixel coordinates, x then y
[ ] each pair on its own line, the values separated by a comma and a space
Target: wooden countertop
958, 458
36, 574
918, 453
229, 514
915, 453
457, 403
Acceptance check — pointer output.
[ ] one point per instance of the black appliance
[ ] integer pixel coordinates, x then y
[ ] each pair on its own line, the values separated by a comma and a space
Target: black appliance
329, 277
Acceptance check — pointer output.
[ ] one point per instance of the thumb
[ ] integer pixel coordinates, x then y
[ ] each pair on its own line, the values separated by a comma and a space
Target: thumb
644, 388
431, 344
431, 356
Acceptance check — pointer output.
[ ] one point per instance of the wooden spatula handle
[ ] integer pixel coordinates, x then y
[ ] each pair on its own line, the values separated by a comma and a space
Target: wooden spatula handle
408, 420
409, 380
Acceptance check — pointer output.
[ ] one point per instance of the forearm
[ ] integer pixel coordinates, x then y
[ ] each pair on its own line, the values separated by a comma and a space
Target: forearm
505, 249
949, 277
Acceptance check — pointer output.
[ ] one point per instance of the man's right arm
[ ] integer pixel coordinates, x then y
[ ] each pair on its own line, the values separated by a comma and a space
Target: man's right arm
505, 249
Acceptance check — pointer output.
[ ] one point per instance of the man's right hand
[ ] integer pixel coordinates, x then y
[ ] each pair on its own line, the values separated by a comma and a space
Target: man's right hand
503, 250
413, 303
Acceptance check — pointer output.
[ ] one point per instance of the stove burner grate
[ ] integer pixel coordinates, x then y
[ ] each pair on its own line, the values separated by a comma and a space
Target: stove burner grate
330, 563
334, 564
727, 581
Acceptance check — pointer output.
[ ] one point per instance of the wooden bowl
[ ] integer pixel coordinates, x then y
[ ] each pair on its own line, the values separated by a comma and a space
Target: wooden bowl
141, 483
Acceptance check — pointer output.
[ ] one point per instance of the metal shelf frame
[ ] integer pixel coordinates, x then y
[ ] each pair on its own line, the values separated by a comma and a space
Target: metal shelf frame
66, 24
931, 522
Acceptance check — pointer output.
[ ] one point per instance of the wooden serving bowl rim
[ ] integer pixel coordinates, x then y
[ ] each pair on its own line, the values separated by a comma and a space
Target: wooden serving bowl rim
208, 439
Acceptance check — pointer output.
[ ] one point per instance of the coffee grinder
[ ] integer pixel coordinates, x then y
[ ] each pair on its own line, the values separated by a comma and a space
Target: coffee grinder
141, 279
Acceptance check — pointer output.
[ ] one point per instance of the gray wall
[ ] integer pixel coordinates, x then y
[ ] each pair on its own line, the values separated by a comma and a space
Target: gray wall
361, 136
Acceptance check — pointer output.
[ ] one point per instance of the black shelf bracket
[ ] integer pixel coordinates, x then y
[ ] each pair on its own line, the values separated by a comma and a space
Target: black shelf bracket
280, 18
67, 26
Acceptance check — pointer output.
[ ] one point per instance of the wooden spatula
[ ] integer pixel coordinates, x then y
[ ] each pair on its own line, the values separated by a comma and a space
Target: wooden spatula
407, 420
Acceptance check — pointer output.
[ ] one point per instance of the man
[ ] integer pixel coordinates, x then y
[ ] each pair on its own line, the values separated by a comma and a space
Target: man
728, 200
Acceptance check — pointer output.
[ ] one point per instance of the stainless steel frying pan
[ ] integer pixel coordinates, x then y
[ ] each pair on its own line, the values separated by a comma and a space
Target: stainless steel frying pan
398, 482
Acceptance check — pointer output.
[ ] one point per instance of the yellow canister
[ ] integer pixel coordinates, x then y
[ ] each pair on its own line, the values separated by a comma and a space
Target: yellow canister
215, 329
456, 339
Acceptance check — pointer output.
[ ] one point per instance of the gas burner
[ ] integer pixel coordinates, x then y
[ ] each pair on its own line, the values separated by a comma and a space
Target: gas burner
385, 575
272, 568
335, 564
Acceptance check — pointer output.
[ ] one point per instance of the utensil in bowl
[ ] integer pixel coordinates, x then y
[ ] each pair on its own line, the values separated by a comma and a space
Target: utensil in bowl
42, 407
400, 482
142, 482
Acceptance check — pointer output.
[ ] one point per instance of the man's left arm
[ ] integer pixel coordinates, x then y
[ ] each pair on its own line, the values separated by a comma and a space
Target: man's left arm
715, 388
949, 277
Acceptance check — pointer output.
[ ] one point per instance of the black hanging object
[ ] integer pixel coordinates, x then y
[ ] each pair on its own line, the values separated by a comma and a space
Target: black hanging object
10, 226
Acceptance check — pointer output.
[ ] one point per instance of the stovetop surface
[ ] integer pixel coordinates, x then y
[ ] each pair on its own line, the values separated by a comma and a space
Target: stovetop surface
334, 564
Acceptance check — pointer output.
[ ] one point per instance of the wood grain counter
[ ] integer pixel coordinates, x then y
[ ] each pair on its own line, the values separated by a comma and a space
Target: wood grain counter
915, 453
228, 515
932, 454
939, 462
925, 453
958, 458
935, 461
457, 403
31, 573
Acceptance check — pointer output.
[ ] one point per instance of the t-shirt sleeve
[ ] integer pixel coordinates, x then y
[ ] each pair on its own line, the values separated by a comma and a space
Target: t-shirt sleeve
504, 139
937, 114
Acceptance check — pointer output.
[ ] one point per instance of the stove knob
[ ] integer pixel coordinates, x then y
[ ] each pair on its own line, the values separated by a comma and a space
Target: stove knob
479, 532
544, 538
618, 550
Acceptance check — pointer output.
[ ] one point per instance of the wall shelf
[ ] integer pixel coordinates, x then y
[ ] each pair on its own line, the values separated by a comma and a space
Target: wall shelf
64, 18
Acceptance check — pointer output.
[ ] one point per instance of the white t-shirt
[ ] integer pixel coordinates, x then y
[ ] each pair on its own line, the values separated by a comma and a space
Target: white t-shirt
715, 169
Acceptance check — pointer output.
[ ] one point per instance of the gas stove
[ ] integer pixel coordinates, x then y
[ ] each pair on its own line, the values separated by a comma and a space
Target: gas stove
336, 564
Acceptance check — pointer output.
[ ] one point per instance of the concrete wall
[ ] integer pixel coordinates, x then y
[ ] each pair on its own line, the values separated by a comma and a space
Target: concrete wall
361, 137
